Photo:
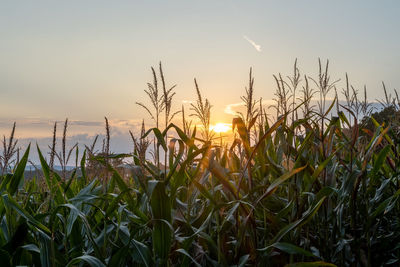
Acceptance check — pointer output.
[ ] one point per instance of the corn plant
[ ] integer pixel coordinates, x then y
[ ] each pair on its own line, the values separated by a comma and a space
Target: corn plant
310, 190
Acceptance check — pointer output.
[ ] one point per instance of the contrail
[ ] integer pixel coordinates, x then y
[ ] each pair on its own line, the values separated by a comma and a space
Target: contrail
256, 46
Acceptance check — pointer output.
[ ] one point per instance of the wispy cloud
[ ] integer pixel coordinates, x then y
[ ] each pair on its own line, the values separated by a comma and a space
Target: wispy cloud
230, 108
256, 46
42, 127
34, 130
86, 123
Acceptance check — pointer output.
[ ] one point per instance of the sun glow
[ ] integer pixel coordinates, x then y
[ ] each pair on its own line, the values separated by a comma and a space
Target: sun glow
221, 127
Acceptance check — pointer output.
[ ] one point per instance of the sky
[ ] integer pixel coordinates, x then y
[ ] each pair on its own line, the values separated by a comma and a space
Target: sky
88, 59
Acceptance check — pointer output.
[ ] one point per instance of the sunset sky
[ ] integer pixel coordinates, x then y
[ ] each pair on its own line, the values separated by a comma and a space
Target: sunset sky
88, 59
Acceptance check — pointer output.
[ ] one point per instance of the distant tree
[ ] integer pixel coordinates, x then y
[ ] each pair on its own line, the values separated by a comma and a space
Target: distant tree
389, 116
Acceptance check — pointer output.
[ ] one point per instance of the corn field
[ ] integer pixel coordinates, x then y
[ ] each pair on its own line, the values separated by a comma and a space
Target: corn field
315, 182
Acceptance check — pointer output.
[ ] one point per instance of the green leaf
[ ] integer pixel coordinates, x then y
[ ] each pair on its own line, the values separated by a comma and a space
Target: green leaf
344, 118
161, 210
46, 255
241, 128
219, 172
290, 249
19, 173
174, 164
31, 247
385, 206
179, 178
380, 159
128, 195
279, 181
119, 257
307, 216
10, 202
159, 136
84, 219
92, 261
83, 165
141, 253
184, 252
267, 134
188, 141
52, 179
243, 260
321, 167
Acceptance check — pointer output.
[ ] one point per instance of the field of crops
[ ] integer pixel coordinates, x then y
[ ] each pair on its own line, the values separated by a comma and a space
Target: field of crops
314, 184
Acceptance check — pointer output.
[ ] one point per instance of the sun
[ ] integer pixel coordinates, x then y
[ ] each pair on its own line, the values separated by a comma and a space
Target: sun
220, 127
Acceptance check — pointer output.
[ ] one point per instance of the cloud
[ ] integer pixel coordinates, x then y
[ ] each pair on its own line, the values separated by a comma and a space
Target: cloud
86, 123
79, 131
120, 142
256, 46
230, 108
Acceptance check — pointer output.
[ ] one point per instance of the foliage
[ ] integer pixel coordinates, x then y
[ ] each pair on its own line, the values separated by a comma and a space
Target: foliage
305, 192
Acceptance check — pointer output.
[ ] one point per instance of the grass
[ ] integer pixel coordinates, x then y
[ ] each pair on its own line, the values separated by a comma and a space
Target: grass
307, 189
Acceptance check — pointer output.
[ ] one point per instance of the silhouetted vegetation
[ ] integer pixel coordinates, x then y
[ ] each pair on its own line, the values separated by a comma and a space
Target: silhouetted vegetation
308, 186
